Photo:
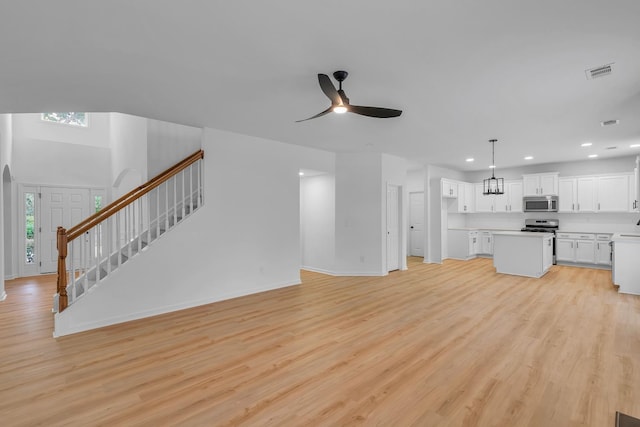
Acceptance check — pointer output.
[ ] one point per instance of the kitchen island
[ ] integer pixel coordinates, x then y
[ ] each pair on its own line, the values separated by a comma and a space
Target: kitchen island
522, 253
626, 266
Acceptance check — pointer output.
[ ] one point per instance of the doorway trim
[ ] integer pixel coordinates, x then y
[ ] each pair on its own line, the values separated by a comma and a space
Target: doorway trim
24, 269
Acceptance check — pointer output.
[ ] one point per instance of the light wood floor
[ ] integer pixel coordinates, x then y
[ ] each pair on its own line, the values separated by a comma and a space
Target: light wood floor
438, 345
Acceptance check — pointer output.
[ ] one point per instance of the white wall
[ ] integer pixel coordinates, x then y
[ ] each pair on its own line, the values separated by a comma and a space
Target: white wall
168, 143
437, 211
55, 154
128, 136
317, 223
394, 172
358, 214
5, 161
30, 126
245, 239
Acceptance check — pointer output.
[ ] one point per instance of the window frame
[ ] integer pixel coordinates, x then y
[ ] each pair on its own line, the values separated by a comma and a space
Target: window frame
86, 126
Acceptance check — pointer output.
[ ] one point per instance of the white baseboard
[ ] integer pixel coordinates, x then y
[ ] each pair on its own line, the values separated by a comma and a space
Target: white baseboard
60, 330
342, 273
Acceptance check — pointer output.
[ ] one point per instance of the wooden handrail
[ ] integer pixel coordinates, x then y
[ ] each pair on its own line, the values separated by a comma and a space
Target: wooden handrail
109, 210
66, 236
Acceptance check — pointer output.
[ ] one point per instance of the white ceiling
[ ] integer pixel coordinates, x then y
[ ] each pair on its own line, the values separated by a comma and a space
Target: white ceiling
462, 71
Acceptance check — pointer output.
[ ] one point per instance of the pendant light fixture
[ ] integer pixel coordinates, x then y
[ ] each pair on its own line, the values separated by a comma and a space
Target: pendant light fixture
493, 185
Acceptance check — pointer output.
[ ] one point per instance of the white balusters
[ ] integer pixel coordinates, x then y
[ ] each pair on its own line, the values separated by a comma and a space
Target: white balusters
98, 252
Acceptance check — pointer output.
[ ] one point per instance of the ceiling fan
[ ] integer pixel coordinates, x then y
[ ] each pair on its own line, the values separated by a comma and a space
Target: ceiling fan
340, 102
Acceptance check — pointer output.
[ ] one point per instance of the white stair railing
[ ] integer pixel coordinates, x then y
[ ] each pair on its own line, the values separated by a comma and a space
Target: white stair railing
103, 242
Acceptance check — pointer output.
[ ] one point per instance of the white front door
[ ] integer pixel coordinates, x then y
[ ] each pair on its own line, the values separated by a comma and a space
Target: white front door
393, 228
64, 207
416, 224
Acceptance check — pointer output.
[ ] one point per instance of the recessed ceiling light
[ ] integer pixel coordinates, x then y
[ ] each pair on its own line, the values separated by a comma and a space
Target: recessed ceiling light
470, 159
593, 156
301, 173
492, 167
529, 158
634, 146
586, 144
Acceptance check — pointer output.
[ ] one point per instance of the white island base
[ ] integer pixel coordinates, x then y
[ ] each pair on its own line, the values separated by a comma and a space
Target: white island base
522, 253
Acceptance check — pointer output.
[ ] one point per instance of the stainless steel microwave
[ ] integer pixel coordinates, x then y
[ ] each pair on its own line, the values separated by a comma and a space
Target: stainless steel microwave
540, 204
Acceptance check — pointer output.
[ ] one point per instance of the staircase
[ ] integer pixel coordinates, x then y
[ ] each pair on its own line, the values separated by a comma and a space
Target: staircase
92, 250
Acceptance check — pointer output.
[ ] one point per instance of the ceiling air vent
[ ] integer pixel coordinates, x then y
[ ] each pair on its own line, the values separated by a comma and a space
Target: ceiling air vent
609, 122
602, 71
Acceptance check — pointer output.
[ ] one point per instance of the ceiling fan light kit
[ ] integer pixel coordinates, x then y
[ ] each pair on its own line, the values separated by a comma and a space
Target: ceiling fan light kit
340, 103
493, 185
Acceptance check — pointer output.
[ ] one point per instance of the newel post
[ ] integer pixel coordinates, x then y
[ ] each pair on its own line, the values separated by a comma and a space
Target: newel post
62, 269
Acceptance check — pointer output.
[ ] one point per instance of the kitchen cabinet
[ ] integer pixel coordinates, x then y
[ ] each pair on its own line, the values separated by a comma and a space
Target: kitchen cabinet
586, 194
595, 194
576, 247
567, 194
636, 186
514, 190
521, 253
474, 243
613, 193
462, 244
510, 201
466, 197
483, 202
577, 194
449, 188
603, 249
634, 190
626, 268
486, 242
540, 184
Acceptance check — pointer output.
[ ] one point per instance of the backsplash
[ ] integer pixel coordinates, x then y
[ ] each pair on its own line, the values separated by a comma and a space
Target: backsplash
584, 222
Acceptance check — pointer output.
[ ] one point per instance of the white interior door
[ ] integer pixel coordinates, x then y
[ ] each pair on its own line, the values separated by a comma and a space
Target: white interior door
393, 228
64, 207
416, 224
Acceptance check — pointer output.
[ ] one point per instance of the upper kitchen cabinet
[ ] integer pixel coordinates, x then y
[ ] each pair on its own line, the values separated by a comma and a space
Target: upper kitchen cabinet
634, 188
540, 184
567, 194
466, 197
483, 202
510, 201
577, 194
613, 193
449, 188
595, 194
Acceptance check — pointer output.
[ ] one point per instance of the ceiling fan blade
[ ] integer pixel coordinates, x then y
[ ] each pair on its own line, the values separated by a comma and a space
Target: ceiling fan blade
329, 89
382, 113
327, 111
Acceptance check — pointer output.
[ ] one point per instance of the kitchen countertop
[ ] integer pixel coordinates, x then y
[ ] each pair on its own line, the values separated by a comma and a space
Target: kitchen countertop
522, 234
483, 229
626, 237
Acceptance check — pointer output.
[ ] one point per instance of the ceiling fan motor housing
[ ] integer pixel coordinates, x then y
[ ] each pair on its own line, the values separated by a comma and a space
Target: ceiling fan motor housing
340, 75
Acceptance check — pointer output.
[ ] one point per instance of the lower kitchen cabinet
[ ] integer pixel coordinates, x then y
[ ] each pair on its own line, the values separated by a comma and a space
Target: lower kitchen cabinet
462, 244
576, 247
486, 243
603, 249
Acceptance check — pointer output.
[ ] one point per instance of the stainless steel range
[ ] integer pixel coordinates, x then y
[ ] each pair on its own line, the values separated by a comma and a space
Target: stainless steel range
543, 226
